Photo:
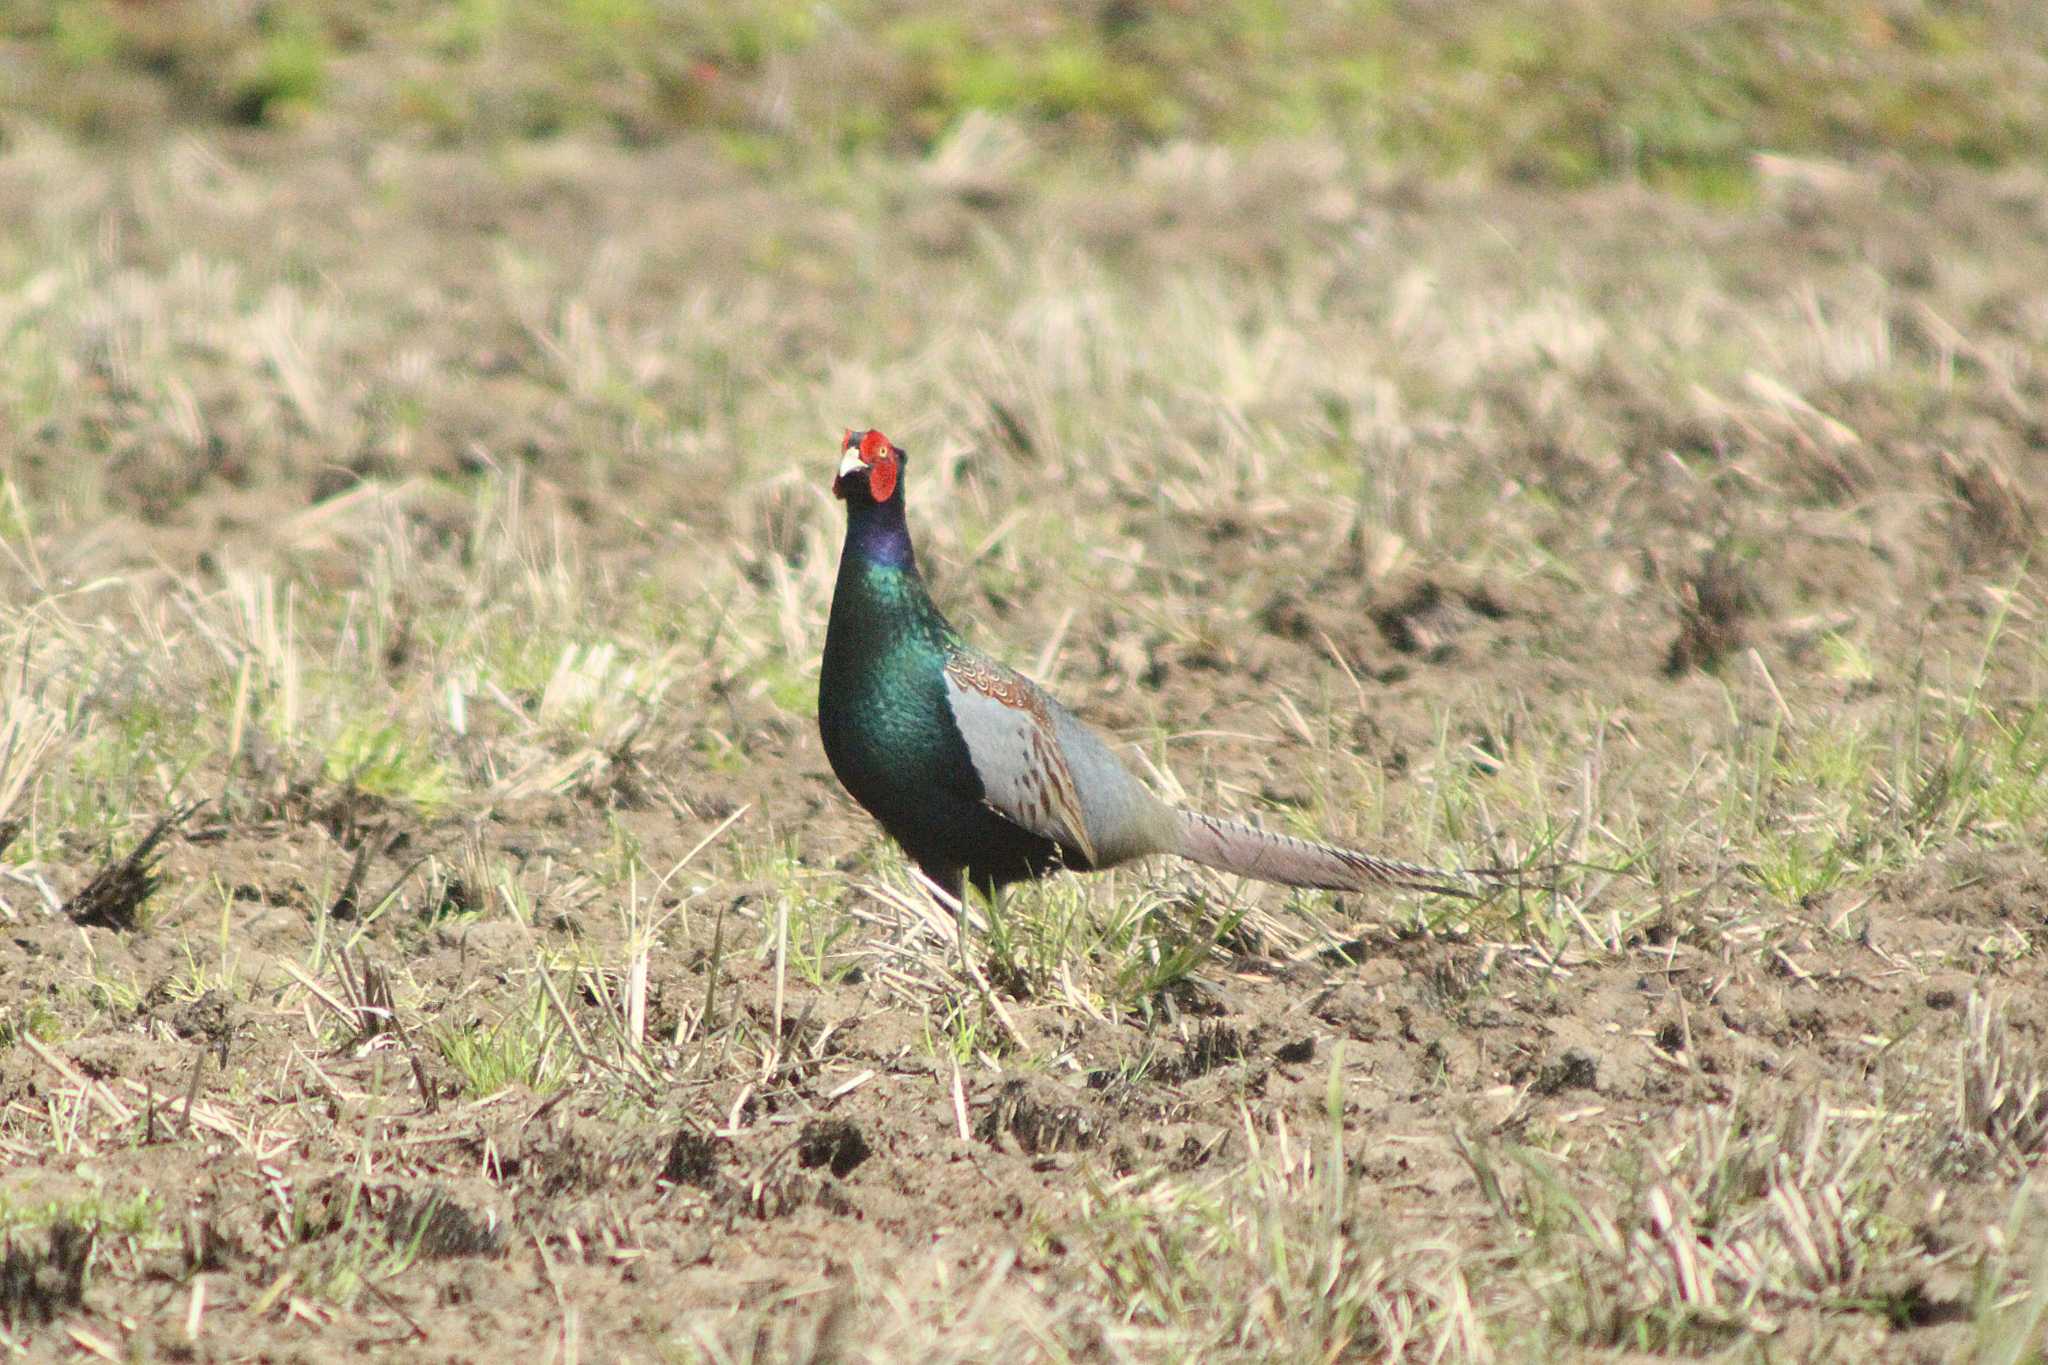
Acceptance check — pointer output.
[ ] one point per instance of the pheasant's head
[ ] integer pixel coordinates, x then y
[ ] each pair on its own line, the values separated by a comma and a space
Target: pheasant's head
869, 467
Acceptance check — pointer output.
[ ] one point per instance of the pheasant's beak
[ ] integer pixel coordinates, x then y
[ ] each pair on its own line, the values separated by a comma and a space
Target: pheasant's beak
849, 464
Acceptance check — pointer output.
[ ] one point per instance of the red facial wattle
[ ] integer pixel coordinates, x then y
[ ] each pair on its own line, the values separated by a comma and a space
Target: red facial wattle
881, 461
882, 466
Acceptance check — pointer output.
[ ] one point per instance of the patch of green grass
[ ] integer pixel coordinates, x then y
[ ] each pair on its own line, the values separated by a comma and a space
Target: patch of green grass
123, 754
964, 1032
789, 684
1055, 940
1825, 801
1071, 75
464, 28
138, 1216
108, 990
84, 33
286, 75
525, 1047
215, 968
383, 759
1796, 866
825, 944
1563, 94
1986, 767
35, 1020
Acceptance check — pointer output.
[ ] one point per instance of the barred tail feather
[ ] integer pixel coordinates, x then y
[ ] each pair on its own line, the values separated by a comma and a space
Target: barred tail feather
1232, 847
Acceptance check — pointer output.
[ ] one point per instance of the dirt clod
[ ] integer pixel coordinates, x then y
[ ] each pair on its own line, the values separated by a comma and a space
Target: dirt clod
1575, 1070
1214, 1044
1997, 520
1294, 1053
1025, 1110
39, 1283
1714, 606
692, 1160
1428, 618
836, 1144
442, 1228
113, 898
210, 1020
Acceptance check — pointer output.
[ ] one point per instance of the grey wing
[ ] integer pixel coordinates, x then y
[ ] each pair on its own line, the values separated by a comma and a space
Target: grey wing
1044, 770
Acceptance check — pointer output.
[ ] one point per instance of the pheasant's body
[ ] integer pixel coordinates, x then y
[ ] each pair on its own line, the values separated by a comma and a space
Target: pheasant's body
972, 767
889, 732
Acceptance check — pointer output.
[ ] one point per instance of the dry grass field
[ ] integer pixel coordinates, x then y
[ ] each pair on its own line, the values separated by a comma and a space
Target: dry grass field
428, 925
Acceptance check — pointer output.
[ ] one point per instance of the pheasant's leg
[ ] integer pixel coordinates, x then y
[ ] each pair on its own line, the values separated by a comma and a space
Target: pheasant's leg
950, 880
948, 886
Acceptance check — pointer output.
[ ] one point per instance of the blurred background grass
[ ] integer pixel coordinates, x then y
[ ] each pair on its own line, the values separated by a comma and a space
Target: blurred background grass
1678, 93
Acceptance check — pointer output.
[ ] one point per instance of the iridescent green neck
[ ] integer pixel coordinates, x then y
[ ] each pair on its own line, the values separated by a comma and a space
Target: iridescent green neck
880, 604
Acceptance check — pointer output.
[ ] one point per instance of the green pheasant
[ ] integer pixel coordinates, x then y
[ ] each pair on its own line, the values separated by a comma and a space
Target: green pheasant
978, 773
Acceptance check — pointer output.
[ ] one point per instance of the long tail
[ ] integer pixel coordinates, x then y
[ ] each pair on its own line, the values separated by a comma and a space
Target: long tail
1248, 852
